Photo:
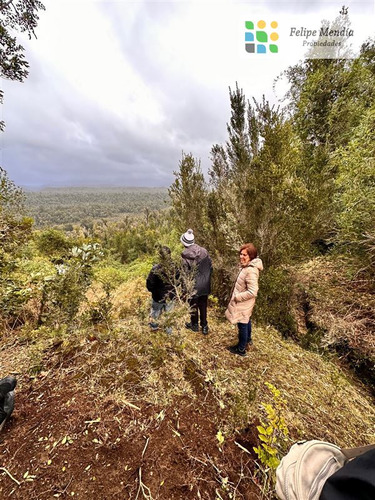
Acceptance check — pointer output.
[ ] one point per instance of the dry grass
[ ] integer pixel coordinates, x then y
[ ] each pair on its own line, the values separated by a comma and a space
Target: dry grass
129, 364
341, 309
122, 365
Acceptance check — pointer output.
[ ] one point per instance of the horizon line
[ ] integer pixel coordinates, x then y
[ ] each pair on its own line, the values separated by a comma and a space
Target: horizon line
46, 188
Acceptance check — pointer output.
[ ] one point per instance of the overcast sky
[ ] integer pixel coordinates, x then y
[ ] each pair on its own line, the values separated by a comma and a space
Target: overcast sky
118, 89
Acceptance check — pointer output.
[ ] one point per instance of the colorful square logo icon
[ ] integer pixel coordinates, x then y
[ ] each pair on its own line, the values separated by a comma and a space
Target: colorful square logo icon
260, 39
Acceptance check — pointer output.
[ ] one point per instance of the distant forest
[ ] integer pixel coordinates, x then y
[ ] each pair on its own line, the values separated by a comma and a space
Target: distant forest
68, 206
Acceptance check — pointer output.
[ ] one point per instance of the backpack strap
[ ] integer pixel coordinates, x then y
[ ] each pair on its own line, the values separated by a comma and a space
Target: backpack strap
356, 452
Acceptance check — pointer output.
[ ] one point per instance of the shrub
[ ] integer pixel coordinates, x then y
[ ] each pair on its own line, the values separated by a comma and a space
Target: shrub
51, 242
64, 291
274, 300
273, 434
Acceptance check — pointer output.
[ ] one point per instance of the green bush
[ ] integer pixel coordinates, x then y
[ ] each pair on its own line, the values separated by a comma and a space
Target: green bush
51, 242
355, 196
13, 298
64, 291
274, 300
273, 434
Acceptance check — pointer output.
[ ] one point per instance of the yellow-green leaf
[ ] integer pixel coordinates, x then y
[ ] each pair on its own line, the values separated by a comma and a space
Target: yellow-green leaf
220, 437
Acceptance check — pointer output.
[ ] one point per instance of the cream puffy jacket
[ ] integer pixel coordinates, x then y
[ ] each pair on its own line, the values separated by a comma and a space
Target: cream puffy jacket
245, 290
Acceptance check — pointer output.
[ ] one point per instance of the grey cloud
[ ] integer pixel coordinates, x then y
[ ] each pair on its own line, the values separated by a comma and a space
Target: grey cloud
192, 109
37, 149
40, 148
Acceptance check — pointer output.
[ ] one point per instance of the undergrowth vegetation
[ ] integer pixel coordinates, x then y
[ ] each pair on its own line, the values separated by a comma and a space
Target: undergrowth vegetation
334, 309
279, 386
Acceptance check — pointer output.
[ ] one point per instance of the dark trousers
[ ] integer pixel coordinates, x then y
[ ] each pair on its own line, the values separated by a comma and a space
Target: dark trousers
244, 335
198, 304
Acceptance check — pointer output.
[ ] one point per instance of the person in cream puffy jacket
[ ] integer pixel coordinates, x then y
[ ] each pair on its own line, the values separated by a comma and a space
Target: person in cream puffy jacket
243, 296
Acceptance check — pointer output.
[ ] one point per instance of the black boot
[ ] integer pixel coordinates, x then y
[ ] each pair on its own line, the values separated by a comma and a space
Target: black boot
235, 350
192, 327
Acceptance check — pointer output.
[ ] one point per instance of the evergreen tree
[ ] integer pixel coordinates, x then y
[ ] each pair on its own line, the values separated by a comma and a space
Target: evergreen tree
355, 195
189, 197
256, 192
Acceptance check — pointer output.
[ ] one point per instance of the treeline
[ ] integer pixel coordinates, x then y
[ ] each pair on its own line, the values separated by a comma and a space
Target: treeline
297, 181
69, 206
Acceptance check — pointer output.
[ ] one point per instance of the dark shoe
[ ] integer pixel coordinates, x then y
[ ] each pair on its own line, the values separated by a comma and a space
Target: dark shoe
229, 347
193, 328
235, 350
153, 326
205, 330
249, 345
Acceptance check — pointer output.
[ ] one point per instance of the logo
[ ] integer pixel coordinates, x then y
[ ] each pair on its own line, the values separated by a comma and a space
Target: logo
257, 39
344, 11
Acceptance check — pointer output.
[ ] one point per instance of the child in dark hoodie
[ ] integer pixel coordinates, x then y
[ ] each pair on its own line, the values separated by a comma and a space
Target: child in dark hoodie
159, 283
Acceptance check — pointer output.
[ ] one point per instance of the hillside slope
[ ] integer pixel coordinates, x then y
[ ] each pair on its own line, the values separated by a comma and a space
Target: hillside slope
126, 413
334, 309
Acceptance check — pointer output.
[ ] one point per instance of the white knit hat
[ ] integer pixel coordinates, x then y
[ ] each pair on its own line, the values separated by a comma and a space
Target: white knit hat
187, 239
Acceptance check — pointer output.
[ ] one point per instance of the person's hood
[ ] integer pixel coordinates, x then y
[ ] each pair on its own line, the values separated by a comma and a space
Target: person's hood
257, 262
194, 252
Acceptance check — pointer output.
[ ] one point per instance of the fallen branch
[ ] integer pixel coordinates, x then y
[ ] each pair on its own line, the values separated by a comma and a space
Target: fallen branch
3, 469
127, 403
197, 460
242, 447
144, 449
146, 492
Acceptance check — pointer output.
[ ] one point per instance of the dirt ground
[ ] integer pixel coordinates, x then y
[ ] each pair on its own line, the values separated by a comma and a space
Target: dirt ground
64, 442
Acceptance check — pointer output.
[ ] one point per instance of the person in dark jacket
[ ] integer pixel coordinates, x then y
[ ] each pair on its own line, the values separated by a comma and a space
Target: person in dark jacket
355, 480
7, 386
160, 283
197, 260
